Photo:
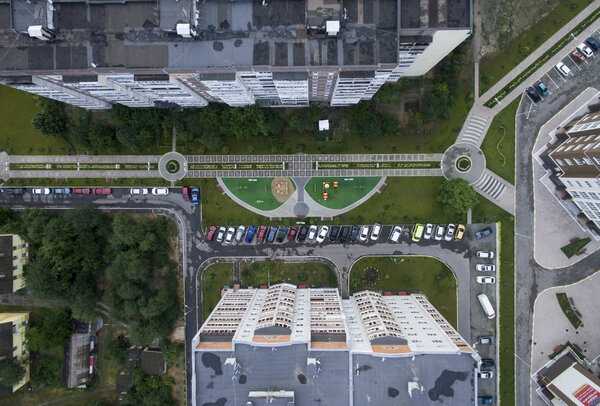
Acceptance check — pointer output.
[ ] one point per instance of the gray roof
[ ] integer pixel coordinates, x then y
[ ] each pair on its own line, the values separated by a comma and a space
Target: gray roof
285, 33
6, 264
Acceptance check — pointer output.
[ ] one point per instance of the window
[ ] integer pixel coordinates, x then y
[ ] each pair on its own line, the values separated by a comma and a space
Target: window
568, 161
578, 161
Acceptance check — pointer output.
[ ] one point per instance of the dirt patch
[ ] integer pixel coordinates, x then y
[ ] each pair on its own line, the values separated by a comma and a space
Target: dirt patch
282, 189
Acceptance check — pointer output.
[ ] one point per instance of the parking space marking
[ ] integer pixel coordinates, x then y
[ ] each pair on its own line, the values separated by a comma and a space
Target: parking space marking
552, 80
573, 60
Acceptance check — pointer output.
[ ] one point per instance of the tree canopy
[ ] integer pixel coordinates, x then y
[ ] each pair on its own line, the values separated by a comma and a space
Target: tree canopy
457, 196
50, 328
12, 372
147, 391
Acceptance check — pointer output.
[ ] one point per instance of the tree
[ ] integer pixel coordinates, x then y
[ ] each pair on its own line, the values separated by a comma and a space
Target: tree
116, 350
171, 351
49, 123
50, 329
12, 372
48, 371
457, 196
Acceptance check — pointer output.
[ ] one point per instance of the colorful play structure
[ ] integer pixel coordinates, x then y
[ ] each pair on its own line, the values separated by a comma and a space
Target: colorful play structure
326, 186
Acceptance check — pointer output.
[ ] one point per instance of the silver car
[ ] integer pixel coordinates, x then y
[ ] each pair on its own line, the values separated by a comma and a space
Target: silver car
312, 232
229, 235
364, 233
240, 233
439, 233
428, 231
41, 191
485, 267
138, 191
450, 232
221, 234
375, 232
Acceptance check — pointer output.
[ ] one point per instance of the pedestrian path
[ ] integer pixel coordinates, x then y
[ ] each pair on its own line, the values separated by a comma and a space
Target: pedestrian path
497, 190
475, 127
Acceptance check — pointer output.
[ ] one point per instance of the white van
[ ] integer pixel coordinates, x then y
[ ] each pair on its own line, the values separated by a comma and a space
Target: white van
487, 306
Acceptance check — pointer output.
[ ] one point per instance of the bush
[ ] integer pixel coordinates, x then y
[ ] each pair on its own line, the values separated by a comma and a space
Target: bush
575, 247
116, 350
12, 372
171, 351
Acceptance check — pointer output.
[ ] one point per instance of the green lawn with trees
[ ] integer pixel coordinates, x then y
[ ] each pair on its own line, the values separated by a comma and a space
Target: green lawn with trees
457, 196
428, 275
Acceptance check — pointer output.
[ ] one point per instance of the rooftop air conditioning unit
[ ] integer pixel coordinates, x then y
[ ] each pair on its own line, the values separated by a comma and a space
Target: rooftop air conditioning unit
186, 30
332, 27
41, 33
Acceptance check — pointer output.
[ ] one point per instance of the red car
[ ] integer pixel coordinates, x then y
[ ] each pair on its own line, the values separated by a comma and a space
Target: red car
101, 191
262, 231
81, 191
186, 194
292, 234
211, 233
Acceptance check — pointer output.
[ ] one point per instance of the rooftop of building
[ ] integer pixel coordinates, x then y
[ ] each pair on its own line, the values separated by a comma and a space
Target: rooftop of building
75, 368
6, 351
153, 362
281, 33
6, 264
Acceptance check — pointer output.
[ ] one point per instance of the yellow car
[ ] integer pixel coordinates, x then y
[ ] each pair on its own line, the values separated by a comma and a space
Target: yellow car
460, 232
417, 232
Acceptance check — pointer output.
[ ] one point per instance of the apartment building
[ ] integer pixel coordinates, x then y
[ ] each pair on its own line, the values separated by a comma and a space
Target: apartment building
13, 345
14, 254
188, 53
310, 344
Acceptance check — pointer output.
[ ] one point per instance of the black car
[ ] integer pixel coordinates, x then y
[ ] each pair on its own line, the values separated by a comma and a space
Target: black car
595, 45
344, 233
283, 230
354, 233
272, 234
483, 233
531, 92
302, 233
487, 363
333, 235
14, 191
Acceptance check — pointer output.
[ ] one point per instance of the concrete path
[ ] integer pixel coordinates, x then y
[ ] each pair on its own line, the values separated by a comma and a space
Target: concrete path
497, 190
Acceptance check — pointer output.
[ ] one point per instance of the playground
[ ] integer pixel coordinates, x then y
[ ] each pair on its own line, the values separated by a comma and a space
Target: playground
262, 193
337, 193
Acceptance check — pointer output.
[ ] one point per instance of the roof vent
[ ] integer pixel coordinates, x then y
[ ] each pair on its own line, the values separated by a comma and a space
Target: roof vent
333, 27
39, 32
186, 30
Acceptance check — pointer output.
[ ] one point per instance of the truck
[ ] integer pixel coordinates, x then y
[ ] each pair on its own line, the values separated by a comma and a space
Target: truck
487, 306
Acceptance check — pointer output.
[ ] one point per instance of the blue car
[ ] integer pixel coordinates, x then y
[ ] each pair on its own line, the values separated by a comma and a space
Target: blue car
61, 191
195, 192
250, 235
272, 234
542, 88
485, 400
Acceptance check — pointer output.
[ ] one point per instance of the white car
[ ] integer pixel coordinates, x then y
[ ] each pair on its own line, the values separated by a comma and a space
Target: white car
138, 191
240, 233
439, 233
485, 267
322, 234
41, 191
485, 254
486, 374
395, 234
375, 232
229, 235
563, 69
584, 49
364, 233
485, 280
160, 191
221, 234
428, 231
312, 232
450, 232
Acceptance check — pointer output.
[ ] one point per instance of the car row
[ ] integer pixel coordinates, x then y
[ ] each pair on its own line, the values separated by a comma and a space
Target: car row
437, 232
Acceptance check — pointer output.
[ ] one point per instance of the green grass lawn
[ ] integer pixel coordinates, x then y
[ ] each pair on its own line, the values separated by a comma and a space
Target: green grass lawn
348, 191
493, 67
308, 273
486, 212
499, 143
213, 279
254, 191
428, 275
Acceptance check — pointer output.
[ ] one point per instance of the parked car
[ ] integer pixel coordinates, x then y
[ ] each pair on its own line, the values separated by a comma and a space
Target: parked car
485, 254
375, 232
101, 191
395, 234
160, 191
485, 267
211, 233
532, 93
302, 233
485, 340
483, 233
312, 232
450, 232
138, 191
364, 233
485, 280
354, 233
577, 56
344, 233
487, 363
14, 190
486, 374
221, 234
584, 49
292, 234
271, 234
485, 400
428, 231
250, 234
262, 230
322, 234
439, 232
186, 193
563, 69
239, 234
195, 193
283, 230
591, 41
82, 191
61, 191
542, 88
41, 191
333, 235
460, 232
229, 235
417, 233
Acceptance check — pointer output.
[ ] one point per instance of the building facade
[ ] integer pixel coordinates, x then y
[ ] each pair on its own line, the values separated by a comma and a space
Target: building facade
13, 345
309, 343
188, 53
14, 254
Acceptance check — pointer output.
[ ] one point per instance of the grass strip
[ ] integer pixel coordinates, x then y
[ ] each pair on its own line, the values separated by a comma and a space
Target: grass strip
575, 247
376, 165
563, 302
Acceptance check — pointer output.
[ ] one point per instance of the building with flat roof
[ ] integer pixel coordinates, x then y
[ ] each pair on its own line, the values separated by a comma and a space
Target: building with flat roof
13, 345
14, 254
297, 346
187, 53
